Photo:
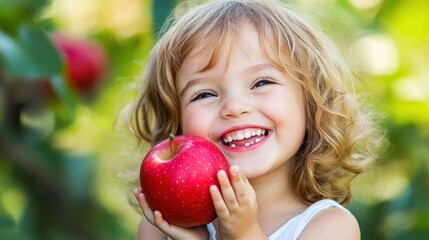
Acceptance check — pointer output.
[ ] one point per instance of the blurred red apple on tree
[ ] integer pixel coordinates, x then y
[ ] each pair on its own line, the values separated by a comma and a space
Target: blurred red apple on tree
176, 175
85, 62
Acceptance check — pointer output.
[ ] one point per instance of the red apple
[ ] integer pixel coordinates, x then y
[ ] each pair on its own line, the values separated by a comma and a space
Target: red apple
85, 61
176, 175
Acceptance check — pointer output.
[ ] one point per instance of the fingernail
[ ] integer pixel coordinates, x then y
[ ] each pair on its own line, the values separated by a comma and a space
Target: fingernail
222, 174
213, 189
234, 170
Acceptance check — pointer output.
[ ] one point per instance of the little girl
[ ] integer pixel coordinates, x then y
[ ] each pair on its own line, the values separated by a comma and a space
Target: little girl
272, 93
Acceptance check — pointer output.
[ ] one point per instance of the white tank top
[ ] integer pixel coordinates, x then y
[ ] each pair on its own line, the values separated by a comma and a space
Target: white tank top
293, 228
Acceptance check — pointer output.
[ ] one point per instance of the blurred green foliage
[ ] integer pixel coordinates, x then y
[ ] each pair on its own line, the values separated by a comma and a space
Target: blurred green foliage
59, 154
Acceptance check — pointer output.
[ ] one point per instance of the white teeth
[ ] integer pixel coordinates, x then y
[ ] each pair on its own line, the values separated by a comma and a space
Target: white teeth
247, 134
244, 134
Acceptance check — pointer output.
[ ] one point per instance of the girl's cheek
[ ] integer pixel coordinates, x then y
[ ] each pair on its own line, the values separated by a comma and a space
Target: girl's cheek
195, 123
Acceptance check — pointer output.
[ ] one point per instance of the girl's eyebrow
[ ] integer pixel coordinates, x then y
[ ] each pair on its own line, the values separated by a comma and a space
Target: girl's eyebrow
188, 85
253, 69
259, 67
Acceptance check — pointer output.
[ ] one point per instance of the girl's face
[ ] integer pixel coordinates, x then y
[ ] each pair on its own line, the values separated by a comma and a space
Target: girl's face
253, 111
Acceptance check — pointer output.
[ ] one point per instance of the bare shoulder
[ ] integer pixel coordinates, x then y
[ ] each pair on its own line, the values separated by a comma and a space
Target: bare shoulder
332, 223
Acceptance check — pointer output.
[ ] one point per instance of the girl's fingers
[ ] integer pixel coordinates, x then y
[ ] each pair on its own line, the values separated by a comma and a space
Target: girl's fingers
219, 205
176, 232
156, 219
165, 227
251, 191
239, 184
159, 222
227, 190
147, 211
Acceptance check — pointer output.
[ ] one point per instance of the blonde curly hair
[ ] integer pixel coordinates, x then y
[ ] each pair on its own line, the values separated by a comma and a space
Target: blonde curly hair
341, 138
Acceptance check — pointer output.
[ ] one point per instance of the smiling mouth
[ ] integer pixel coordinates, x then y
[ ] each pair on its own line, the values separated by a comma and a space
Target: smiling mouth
244, 138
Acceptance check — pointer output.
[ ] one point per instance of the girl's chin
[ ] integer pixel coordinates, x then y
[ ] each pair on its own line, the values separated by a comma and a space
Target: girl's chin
250, 171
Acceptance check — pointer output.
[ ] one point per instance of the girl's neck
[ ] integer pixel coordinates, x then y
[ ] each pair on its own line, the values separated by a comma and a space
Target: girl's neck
277, 201
274, 187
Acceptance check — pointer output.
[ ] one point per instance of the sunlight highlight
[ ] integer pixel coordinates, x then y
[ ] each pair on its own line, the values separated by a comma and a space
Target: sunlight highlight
376, 54
412, 88
124, 18
365, 4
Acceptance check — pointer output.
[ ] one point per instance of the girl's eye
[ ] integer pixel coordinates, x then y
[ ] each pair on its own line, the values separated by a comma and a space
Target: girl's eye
262, 82
201, 95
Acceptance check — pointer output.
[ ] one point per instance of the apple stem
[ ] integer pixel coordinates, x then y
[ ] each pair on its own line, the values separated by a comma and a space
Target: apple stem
171, 139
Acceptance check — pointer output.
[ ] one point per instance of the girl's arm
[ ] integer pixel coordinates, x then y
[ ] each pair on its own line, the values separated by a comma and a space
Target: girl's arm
236, 207
154, 227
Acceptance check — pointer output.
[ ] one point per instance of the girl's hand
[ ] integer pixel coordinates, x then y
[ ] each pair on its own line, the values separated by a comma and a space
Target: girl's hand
174, 232
236, 206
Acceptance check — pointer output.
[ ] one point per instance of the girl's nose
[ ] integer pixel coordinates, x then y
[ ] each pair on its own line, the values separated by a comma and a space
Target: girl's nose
235, 107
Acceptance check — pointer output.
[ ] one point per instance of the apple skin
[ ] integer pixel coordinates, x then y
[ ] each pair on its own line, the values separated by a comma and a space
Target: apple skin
178, 185
85, 61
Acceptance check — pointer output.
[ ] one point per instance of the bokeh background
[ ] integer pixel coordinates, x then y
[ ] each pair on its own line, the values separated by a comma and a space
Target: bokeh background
66, 161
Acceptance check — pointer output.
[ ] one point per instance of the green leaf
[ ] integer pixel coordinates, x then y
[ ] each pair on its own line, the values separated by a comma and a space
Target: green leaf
31, 56
16, 12
67, 108
11, 54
